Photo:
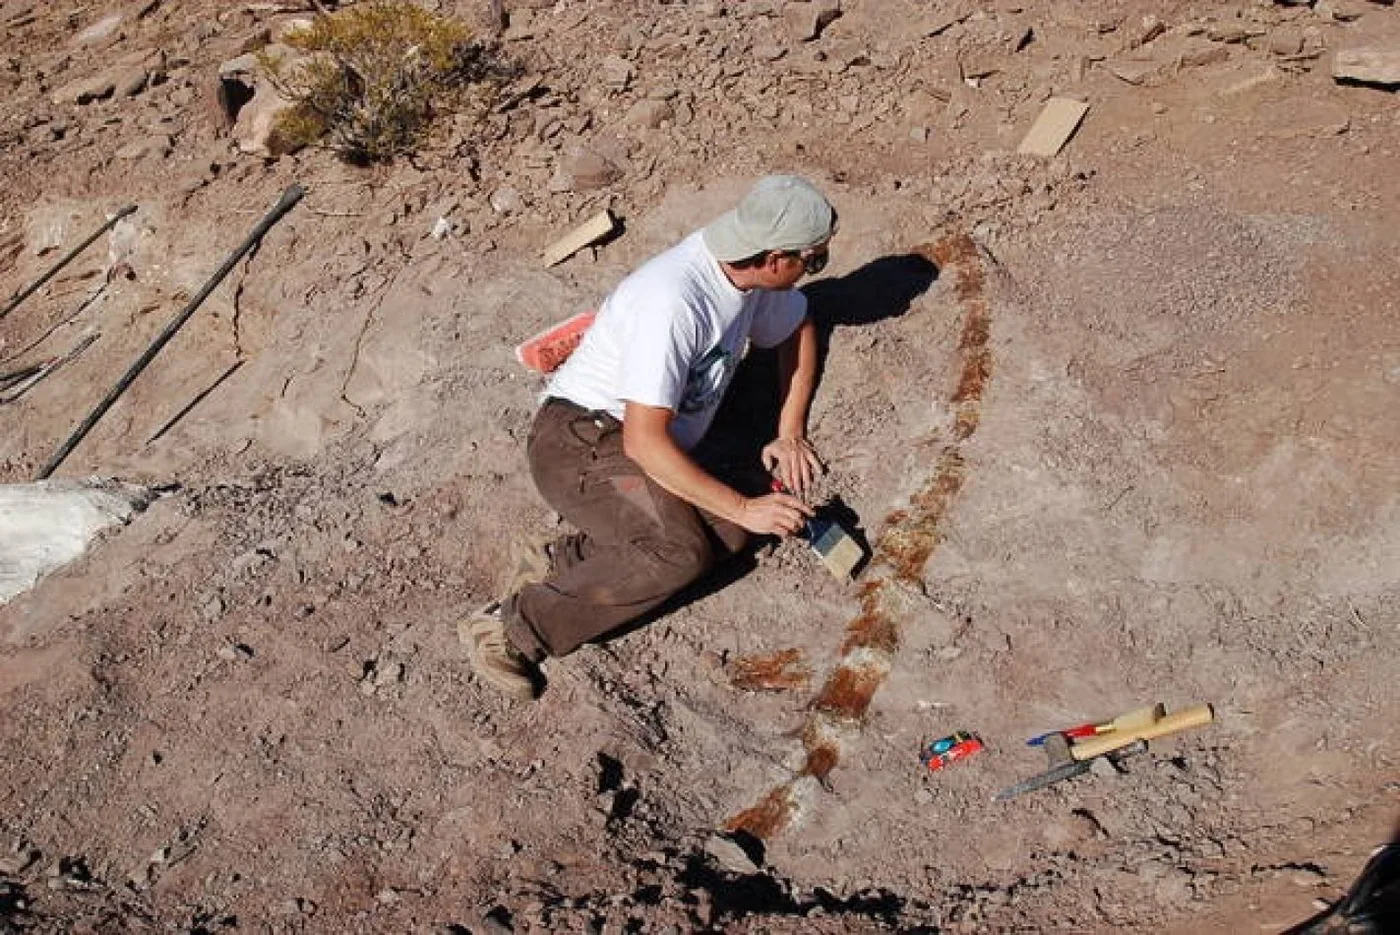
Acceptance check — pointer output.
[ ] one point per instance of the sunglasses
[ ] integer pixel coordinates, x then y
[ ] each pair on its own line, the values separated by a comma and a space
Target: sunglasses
813, 260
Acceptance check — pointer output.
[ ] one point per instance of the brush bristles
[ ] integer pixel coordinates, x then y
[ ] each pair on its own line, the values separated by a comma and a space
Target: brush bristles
836, 548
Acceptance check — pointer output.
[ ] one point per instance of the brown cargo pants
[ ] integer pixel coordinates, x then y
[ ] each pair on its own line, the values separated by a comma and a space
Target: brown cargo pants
637, 544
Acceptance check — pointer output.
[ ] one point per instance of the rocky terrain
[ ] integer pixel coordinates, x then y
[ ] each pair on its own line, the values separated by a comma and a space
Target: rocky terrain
1118, 424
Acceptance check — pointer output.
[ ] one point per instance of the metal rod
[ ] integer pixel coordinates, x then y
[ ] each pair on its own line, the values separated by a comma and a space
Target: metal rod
170, 423
289, 198
14, 391
21, 296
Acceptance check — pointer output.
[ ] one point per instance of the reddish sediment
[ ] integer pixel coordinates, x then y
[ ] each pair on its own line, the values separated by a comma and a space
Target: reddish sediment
903, 550
783, 670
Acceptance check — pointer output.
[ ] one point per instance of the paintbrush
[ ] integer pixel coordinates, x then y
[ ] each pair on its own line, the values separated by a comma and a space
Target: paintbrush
841, 552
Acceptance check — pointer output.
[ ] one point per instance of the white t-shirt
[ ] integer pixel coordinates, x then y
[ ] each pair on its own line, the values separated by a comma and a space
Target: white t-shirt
671, 335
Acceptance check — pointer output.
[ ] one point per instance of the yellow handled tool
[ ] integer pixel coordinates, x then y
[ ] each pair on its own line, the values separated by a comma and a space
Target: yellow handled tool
1142, 717
1090, 747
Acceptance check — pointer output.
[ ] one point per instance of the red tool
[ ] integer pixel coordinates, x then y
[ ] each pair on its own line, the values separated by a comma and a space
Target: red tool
948, 750
1083, 730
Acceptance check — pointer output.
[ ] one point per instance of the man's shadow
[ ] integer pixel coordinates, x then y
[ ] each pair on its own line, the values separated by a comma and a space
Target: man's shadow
748, 417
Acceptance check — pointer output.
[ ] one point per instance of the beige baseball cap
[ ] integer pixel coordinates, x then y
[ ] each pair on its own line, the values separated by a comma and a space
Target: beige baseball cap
781, 212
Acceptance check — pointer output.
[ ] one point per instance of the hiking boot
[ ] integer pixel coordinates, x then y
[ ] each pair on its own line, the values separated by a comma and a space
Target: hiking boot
534, 562
492, 656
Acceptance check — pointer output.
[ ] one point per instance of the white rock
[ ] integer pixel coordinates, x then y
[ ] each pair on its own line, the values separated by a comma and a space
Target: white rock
86, 90
1101, 767
649, 112
255, 130
729, 855
132, 82
616, 72
1368, 66
244, 66
100, 31
806, 20
506, 200
50, 523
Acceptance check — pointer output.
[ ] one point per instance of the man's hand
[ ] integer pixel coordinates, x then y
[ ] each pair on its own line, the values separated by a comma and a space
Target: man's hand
794, 460
776, 514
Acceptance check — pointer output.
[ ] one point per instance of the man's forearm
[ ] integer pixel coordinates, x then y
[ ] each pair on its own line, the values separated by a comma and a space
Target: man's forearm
797, 373
664, 462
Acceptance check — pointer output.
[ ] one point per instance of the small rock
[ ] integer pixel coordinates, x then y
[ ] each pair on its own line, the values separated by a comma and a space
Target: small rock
86, 90
506, 200
519, 26
1368, 66
616, 72
583, 169
1341, 11
1307, 877
213, 608
729, 856
1267, 75
918, 134
1148, 28
1286, 42
235, 652
388, 673
1101, 767
980, 63
806, 20
1208, 55
244, 66
769, 53
256, 132
649, 112
1132, 70
100, 32
923, 797
132, 83
1158, 107
1232, 33
158, 145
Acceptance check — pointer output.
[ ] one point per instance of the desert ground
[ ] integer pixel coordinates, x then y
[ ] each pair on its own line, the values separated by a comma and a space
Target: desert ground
1118, 424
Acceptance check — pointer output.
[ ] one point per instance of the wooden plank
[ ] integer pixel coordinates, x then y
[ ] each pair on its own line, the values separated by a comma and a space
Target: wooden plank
1053, 128
589, 232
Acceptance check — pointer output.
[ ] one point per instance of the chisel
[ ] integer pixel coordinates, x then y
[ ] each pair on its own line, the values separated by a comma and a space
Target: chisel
1068, 768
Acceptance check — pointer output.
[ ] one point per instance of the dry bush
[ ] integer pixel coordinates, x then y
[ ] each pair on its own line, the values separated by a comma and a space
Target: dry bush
372, 77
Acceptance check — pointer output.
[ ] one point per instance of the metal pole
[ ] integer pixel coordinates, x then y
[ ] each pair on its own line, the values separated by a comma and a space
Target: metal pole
289, 198
21, 296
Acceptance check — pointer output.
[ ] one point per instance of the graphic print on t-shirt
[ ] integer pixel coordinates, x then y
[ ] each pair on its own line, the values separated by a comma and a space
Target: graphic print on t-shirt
707, 379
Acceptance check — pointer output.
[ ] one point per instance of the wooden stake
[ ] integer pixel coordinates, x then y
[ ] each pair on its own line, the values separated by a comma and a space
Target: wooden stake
1053, 128
589, 232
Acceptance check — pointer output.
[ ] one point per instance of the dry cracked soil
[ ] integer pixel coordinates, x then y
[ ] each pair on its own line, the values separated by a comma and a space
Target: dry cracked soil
1119, 426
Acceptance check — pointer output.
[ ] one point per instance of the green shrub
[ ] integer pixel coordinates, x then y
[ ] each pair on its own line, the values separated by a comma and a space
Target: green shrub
372, 77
